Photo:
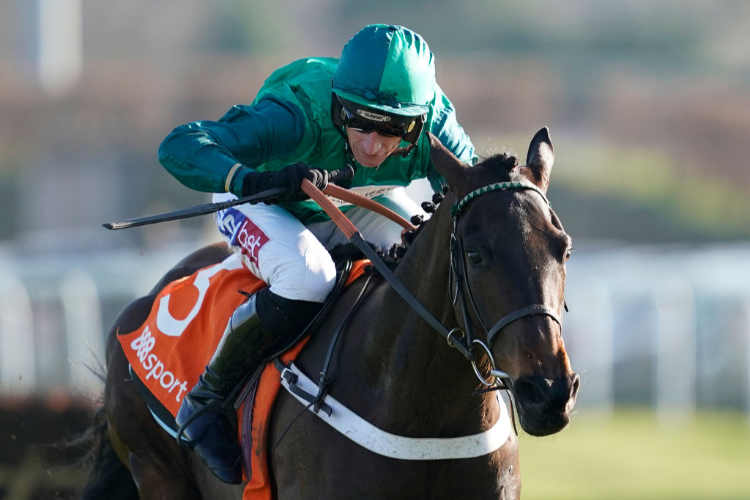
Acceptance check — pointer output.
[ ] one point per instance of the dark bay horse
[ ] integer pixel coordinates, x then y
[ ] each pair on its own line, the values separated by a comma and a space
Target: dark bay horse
391, 367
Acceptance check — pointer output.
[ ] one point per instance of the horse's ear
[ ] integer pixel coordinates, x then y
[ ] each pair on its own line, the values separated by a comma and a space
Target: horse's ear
540, 158
450, 167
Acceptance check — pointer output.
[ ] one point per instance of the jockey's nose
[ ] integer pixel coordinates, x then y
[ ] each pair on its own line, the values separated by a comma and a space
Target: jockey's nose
372, 143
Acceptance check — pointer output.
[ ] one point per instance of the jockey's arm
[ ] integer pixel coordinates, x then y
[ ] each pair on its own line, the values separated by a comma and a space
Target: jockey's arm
202, 154
451, 134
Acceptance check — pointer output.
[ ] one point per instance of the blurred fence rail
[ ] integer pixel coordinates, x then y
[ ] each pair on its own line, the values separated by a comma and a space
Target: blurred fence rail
662, 326
55, 312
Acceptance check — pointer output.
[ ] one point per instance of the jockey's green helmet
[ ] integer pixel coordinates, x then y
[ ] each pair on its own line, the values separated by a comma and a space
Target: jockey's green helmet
387, 68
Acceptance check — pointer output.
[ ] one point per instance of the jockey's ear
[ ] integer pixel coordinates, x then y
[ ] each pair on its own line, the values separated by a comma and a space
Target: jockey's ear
540, 158
450, 167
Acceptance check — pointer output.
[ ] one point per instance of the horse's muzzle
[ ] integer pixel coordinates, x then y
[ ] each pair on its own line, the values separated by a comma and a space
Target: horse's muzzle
545, 405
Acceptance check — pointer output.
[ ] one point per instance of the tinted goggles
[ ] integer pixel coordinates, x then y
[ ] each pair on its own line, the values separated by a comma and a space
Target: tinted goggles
363, 120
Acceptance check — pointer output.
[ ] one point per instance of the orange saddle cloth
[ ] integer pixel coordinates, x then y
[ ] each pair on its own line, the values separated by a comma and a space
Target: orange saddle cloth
170, 350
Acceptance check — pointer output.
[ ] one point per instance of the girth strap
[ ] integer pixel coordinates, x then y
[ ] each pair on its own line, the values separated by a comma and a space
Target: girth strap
536, 309
390, 445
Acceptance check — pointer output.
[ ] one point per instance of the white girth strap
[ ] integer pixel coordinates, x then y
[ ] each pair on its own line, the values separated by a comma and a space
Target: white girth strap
390, 445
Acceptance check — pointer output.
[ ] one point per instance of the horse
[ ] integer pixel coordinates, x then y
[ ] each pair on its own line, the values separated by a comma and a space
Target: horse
492, 253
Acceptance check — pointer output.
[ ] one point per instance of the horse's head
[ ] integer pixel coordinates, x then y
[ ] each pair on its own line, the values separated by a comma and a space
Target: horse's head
509, 276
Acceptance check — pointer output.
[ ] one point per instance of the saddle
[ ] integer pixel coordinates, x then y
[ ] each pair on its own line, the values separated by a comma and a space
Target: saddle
169, 351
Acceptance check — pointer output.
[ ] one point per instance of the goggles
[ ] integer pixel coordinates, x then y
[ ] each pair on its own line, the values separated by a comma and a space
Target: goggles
365, 120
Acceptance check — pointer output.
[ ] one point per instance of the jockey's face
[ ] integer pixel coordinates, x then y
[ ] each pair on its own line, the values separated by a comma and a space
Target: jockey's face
371, 149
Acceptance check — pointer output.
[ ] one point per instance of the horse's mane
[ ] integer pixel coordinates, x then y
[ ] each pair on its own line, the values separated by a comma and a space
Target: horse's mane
396, 253
503, 162
497, 162
506, 160
350, 250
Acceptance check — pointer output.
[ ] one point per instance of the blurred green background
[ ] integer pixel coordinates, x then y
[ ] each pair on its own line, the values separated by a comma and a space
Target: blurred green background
632, 456
648, 103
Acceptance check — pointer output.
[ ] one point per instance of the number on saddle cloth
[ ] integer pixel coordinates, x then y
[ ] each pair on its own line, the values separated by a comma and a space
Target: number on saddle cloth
161, 381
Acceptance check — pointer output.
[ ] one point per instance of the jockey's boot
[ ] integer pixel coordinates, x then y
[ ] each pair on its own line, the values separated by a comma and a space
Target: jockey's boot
257, 329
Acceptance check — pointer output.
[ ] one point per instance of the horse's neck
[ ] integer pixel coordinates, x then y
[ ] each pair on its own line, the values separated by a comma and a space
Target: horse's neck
421, 376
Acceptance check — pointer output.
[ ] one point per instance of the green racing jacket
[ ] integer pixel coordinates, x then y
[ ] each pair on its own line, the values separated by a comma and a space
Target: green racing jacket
290, 121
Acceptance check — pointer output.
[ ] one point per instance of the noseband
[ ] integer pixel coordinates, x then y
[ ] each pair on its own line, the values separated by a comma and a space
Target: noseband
461, 290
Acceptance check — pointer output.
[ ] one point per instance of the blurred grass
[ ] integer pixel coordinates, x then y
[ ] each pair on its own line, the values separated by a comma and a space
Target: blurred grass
654, 179
632, 455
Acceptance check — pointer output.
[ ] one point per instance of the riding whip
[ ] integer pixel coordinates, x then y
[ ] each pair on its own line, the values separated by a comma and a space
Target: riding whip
209, 208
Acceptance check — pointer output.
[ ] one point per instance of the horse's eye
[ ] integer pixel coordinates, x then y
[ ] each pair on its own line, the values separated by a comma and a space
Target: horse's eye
568, 252
474, 258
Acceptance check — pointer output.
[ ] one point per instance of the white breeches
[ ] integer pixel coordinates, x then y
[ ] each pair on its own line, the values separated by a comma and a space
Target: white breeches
293, 258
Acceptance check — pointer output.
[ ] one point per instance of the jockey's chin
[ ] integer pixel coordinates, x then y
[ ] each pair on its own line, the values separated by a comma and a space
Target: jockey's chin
370, 149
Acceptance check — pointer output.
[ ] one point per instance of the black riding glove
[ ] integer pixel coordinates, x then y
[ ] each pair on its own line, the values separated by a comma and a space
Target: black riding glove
319, 178
290, 177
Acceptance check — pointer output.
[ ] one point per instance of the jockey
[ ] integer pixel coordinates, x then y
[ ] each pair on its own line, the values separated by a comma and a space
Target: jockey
367, 109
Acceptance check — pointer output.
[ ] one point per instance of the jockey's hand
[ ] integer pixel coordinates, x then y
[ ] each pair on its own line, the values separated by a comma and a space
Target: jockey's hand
290, 177
318, 177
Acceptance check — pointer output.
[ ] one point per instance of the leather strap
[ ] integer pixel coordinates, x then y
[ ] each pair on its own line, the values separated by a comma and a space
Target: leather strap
522, 313
336, 215
355, 237
361, 201
390, 445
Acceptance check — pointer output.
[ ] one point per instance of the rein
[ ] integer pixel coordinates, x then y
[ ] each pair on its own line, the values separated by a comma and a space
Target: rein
463, 341
355, 237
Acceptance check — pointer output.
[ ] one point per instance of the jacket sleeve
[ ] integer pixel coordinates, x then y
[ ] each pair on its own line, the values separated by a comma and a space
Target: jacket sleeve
447, 129
201, 154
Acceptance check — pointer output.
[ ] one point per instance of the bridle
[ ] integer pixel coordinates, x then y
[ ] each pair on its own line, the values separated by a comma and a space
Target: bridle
461, 291
461, 339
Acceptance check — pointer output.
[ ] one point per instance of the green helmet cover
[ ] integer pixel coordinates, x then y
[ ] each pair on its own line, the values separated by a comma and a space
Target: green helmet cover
389, 68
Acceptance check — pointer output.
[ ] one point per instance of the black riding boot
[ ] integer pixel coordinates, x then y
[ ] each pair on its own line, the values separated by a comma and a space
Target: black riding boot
207, 413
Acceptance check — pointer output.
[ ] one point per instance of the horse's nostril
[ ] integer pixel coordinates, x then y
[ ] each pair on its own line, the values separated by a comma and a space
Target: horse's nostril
575, 386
